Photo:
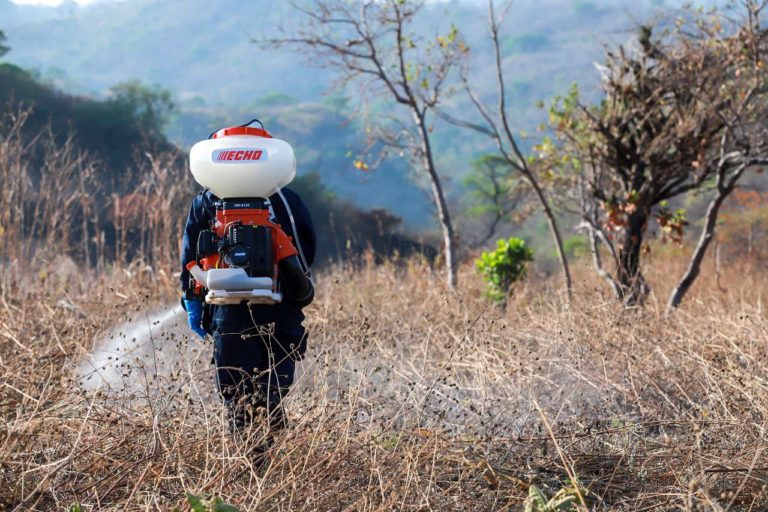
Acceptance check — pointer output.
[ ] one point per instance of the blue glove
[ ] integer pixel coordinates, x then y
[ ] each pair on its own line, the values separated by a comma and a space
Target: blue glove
195, 315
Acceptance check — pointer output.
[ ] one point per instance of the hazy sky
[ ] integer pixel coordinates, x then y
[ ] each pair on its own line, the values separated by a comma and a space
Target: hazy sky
83, 2
49, 2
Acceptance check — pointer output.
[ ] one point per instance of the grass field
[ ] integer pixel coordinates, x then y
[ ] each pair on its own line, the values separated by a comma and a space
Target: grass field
411, 398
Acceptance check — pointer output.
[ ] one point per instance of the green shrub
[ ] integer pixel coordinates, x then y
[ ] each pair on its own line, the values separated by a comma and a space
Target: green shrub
504, 266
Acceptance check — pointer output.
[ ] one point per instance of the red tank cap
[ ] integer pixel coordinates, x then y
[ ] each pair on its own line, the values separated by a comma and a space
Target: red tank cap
242, 130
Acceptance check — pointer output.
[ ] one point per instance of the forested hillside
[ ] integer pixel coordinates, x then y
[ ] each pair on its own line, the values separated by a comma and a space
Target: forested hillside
95, 125
221, 77
92, 48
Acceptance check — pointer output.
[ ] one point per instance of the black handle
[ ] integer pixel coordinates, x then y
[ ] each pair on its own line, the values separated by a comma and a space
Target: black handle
254, 120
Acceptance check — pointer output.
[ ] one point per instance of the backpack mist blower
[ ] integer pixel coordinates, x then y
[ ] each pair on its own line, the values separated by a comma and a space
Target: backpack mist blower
246, 256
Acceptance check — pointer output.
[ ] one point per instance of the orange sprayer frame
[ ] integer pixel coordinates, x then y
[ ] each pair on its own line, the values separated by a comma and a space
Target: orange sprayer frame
282, 243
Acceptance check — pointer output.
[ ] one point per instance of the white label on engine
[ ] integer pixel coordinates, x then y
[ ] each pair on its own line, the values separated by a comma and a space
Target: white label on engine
239, 155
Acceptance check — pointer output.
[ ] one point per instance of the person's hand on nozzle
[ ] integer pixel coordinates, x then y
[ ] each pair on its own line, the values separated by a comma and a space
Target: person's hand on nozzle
194, 309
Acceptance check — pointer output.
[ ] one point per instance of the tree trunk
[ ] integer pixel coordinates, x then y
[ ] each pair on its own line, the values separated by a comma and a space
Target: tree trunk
449, 240
694, 267
555, 231
632, 285
597, 262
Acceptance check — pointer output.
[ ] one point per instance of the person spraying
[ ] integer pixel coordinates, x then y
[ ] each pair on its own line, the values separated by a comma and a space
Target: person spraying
247, 248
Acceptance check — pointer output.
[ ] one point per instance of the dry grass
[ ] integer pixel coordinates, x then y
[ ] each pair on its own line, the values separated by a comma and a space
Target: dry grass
411, 398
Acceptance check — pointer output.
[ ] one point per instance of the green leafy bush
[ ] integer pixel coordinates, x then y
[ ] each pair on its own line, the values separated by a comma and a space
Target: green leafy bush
504, 266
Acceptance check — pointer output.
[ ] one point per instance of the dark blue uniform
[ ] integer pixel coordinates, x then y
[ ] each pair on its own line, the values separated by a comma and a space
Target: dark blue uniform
255, 347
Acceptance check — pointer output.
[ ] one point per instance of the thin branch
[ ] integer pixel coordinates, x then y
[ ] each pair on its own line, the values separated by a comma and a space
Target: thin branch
460, 123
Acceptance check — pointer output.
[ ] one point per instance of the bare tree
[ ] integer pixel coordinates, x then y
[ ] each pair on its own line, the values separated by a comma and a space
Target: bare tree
744, 142
370, 45
681, 113
498, 126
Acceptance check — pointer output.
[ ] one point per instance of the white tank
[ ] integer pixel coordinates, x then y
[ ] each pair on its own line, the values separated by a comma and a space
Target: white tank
242, 162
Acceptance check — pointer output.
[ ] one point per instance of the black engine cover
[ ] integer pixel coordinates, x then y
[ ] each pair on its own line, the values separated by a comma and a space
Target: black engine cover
250, 247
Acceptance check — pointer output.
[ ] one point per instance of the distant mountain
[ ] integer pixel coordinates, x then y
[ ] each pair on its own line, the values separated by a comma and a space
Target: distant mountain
203, 53
202, 49
193, 47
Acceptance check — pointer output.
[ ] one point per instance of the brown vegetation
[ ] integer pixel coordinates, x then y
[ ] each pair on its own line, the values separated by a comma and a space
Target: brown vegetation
411, 398
55, 205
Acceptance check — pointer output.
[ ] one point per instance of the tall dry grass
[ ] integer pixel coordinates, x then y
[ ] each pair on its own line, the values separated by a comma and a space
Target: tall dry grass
411, 398
60, 207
